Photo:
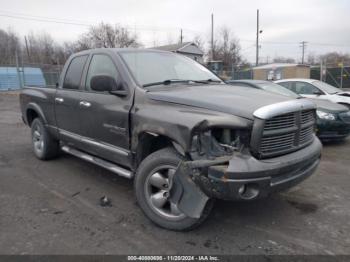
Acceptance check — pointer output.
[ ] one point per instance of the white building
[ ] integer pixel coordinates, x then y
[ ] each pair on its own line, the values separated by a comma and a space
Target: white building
189, 49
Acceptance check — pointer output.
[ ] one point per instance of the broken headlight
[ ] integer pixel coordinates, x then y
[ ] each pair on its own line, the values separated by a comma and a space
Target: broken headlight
219, 142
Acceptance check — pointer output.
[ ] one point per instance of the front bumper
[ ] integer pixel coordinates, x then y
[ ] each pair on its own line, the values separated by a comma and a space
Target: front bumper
332, 129
247, 178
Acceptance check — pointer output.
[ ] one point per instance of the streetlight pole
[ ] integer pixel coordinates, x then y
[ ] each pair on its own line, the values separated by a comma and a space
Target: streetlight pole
212, 37
257, 37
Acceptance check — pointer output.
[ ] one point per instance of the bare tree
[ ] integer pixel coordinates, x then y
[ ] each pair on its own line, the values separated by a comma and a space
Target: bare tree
311, 59
43, 49
107, 36
227, 49
281, 59
335, 58
9, 45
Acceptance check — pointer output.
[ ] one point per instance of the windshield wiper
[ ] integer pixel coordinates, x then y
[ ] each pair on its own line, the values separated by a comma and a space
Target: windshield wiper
167, 82
213, 80
171, 81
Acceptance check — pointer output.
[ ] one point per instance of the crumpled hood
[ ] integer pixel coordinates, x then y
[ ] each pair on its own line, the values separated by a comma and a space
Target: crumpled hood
328, 105
235, 100
346, 93
341, 97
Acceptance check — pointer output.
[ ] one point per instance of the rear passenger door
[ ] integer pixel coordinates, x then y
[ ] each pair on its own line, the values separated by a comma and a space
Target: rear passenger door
67, 101
104, 116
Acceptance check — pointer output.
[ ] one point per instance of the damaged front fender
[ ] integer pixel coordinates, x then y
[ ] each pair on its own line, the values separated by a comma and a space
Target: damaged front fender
185, 193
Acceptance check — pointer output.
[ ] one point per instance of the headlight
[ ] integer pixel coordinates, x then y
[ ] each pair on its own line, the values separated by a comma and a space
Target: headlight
325, 115
218, 142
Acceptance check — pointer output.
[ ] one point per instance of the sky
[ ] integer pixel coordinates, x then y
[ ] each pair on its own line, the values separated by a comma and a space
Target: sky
324, 24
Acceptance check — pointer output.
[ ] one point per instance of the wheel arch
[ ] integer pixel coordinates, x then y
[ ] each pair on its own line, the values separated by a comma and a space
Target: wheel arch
149, 142
33, 111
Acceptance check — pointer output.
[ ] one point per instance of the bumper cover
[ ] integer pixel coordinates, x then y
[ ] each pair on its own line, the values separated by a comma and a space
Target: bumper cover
246, 178
335, 129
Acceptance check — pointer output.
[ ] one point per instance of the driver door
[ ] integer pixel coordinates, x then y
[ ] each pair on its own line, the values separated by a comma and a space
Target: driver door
104, 116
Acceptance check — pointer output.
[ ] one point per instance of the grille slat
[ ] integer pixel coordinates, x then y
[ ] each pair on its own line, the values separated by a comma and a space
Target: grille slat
284, 138
279, 122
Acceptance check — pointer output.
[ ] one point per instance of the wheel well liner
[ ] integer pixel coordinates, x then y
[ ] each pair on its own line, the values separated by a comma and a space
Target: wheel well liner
151, 142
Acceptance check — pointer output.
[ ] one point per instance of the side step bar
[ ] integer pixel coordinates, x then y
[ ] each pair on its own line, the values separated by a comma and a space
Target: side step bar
98, 161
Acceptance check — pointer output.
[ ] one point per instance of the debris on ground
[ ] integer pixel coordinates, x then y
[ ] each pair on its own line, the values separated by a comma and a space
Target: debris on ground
105, 202
75, 194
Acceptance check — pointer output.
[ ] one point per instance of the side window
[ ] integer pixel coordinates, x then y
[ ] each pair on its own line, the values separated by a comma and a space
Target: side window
285, 84
101, 65
74, 73
305, 88
289, 85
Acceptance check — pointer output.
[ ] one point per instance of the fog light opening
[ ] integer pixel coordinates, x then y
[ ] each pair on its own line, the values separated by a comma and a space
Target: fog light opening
241, 189
248, 191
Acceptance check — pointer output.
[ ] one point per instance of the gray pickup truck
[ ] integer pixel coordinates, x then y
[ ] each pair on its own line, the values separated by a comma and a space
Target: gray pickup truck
184, 136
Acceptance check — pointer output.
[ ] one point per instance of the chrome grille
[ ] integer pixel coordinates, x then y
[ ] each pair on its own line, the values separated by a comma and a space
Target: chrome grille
307, 116
287, 120
285, 133
306, 135
271, 144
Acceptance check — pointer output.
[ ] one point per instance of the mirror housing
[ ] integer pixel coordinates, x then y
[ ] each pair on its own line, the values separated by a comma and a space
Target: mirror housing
318, 93
121, 92
103, 83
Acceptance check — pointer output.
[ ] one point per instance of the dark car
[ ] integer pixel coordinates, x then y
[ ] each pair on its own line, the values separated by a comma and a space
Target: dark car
170, 124
333, 120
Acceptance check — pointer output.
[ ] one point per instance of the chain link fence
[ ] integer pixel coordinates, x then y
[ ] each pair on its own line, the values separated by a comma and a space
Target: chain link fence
16, 76
335, 76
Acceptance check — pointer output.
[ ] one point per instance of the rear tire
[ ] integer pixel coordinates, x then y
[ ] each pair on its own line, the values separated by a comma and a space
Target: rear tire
151, 186
45, 147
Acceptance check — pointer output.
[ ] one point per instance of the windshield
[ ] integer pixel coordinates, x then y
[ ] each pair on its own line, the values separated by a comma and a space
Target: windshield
152, 67
326, 87
275, 88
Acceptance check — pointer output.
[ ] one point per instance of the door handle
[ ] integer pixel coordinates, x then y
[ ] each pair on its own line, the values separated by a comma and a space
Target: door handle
84, 104
59, 100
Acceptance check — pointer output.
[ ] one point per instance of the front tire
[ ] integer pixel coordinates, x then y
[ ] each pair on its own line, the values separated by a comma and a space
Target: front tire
44, 145
152, 188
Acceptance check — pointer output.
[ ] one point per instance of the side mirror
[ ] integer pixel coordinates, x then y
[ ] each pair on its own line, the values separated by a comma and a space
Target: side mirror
103, 83
122, 92
317, 92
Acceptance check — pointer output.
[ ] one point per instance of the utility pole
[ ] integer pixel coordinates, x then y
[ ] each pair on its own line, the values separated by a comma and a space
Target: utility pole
18, 71
258, 32
303, 46
181, 37
341, 73
25, 40
212, 37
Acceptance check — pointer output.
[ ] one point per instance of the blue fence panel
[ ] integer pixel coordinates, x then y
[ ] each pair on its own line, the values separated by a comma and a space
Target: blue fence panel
12, 79
9, 79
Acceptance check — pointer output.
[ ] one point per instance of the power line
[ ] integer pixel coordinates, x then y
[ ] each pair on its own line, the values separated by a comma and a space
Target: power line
88, 23
44, 20
44, 17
